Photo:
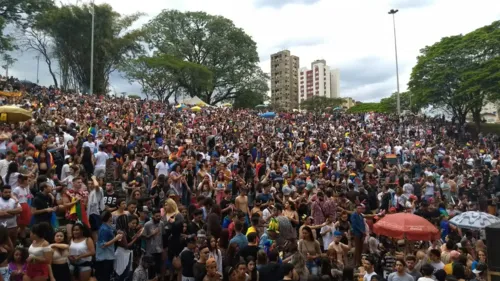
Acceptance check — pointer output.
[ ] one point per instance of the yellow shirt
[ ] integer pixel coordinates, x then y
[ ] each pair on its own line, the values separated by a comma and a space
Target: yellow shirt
250, 230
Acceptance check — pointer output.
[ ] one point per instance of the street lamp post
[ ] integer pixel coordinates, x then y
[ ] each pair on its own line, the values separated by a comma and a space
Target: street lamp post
92, 51
37, 68
393, 13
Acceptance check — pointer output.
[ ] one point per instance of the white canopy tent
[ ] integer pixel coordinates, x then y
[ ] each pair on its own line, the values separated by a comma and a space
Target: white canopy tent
194, 101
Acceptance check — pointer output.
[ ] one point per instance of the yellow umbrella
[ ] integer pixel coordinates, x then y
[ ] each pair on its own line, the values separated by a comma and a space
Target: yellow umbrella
196, 108
14, 114
227, 105
201, 104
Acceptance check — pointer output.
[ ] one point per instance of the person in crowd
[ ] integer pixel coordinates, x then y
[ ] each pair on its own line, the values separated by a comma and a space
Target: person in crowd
40, 254
59, 269
81, 251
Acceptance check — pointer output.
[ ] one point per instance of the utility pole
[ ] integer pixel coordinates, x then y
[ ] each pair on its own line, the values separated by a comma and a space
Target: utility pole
393, 13
37, 69
92, 51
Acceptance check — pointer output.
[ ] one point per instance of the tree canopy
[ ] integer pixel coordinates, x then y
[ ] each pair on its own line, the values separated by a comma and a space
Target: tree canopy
161, 76
369, 107
20, 13
213, 42
391, 102
321, 103
459, 73
112, 41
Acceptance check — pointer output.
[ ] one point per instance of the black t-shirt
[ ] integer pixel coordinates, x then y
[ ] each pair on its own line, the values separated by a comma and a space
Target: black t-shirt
187, 262
41, 202
249, 251
110, 200
224, 204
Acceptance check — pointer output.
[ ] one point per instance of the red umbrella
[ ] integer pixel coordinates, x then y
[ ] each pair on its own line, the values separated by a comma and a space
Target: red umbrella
408, 226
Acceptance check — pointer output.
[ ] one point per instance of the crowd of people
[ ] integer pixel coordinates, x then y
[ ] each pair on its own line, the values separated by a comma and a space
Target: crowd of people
120, 189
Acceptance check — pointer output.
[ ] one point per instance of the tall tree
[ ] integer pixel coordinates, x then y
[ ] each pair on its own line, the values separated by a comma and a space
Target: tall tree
436, 79
20, 13
113, 41
212, 41
8, 61
38, 41
460, 73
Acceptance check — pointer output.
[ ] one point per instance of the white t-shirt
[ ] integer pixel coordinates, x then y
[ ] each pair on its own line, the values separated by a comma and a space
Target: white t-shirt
437, 265
100, 159
5, 205
12, 180
21, 194
162, 168
368, 276
328, 237
90, 145
4, 165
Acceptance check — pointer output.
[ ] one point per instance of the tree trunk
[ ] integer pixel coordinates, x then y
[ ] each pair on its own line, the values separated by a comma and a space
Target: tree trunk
49, 65
476, 116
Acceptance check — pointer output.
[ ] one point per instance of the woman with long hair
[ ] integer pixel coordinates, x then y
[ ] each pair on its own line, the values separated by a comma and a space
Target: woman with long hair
310, 248
173, 221
40, 254
126, 225
44, 159
88, 160
12, 174
253, 274
215, 252
81, 250
214, 219
59, 270
223, 242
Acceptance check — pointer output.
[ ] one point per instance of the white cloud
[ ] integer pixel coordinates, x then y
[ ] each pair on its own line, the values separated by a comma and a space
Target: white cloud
344, 33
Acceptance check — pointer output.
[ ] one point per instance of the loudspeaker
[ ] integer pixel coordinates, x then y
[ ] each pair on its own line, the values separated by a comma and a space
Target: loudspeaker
492, 242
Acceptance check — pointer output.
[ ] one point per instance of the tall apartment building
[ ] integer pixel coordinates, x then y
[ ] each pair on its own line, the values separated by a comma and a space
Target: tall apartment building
320, 80
284, 80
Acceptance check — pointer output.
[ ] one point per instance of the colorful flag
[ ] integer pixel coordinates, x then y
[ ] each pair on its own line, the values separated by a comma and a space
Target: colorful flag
78, 212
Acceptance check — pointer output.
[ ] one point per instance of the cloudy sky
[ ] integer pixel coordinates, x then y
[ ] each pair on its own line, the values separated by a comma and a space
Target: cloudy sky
355, 36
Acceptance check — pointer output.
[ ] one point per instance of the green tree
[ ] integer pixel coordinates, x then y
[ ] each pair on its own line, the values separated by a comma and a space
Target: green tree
212, 41
20, 13
369, 107
255, 92
459, 73
8, 61
133, 96
321, 103
161, 76
436, 79
69, 27
391, 102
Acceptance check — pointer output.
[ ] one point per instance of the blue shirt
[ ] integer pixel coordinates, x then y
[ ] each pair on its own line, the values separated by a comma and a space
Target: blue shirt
240, 239
105, 235
357, 224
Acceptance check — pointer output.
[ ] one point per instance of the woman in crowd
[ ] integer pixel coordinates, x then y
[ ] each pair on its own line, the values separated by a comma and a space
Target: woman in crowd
40, 254
81, 250
59, 270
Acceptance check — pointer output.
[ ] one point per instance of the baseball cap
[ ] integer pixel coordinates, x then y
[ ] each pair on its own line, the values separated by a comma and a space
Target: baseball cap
191, 239
337, 233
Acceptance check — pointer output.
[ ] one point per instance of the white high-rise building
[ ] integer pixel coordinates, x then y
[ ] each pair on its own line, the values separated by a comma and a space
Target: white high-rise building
320, 80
